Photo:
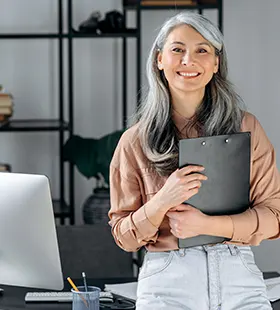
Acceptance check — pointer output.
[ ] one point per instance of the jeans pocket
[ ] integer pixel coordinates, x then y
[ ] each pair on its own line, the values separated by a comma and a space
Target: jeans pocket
155, 262
247, 258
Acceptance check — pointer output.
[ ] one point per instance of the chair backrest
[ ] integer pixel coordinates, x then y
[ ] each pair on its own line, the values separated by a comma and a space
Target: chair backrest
92, 249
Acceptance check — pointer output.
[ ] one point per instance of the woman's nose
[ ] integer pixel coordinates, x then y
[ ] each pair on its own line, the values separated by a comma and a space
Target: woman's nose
187, 59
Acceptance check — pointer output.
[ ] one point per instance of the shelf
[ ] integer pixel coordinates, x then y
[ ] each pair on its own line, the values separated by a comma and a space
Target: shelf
29, 36
129, 33
172, 7
61, 209
33, 125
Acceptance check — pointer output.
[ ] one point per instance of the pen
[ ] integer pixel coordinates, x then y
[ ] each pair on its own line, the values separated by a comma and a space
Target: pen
76, 289
85, 281
86, 287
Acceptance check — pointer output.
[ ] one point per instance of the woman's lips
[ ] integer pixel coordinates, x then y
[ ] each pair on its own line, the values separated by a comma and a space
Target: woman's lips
189, 75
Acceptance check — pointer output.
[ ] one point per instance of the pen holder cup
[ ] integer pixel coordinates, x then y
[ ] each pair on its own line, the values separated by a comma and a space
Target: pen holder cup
86, 300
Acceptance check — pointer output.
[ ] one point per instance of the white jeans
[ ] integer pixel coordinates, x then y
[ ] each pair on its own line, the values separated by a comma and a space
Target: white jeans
219, 277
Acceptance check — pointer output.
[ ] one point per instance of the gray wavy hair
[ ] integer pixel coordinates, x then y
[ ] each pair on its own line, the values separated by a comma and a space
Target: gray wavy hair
219, 113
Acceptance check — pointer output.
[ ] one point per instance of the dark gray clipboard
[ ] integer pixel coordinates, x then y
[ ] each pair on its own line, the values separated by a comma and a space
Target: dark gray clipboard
226, 159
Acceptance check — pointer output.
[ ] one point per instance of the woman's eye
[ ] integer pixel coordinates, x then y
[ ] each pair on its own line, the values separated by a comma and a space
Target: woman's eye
202, 50
177, 50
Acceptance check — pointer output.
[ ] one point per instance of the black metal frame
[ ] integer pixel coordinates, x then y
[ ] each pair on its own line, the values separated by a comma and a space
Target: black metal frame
61, 209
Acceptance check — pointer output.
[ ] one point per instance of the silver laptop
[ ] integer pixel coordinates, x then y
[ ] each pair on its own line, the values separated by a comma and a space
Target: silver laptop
29, 254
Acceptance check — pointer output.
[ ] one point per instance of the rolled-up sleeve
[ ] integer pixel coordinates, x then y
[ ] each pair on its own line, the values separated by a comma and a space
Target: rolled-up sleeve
262, 220
131, 227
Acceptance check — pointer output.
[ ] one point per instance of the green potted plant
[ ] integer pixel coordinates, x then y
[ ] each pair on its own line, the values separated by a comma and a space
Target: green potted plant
92, 158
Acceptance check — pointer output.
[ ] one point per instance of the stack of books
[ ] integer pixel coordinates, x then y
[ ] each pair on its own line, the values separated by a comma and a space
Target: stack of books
6, 106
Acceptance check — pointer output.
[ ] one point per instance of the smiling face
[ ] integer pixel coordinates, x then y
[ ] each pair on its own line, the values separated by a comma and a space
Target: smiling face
188, 60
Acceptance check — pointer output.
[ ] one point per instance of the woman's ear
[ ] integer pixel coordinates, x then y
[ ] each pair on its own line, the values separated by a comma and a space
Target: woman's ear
216, 67
159, 60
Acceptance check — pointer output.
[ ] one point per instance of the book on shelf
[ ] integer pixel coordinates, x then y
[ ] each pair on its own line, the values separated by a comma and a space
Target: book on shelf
6, 100
6, 111
6, 106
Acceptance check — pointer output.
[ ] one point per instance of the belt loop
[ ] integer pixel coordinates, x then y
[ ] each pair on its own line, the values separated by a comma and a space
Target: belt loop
182, 252
233, 249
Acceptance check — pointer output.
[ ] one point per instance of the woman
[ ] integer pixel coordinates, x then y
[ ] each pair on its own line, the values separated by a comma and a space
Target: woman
189, 96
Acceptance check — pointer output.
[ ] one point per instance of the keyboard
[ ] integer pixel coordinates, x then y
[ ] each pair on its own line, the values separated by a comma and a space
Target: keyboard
61, 297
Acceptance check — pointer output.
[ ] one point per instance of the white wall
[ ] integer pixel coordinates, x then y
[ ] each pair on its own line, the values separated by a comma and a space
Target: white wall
250, 27
28, 70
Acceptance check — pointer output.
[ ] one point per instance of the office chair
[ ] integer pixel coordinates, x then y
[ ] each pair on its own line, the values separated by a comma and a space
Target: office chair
92, 249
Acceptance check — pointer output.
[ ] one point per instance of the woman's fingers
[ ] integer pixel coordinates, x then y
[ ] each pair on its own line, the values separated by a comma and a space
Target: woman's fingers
195, 176
181, 185
191, 169
183, 207
193, 184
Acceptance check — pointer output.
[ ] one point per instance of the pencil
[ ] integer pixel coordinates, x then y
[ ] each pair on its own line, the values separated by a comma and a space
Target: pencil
76, 289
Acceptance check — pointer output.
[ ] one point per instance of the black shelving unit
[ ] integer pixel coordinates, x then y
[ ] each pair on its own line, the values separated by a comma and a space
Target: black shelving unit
74, 34
129, 33
63, 210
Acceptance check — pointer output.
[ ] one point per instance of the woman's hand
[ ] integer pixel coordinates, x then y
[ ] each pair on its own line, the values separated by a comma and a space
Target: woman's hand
181, 185
186, 221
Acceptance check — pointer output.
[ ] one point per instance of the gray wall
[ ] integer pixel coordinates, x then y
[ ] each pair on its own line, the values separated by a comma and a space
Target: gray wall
29, 71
